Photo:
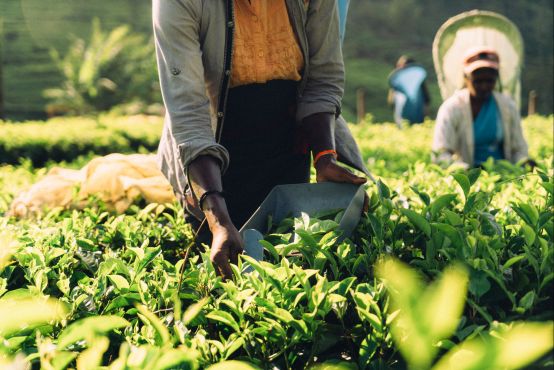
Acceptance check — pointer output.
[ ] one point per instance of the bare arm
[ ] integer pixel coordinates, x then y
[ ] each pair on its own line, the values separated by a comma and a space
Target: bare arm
205, 174
319, 131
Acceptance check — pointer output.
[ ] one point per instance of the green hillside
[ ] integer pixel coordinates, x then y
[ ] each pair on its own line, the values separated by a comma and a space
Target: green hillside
30, 28
378, 32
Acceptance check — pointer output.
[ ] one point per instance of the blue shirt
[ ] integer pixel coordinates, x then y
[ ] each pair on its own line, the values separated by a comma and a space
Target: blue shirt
487, 133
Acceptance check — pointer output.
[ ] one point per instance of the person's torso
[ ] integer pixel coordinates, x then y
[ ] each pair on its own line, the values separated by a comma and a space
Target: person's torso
265, 46
487, 133
460, 114
216, 24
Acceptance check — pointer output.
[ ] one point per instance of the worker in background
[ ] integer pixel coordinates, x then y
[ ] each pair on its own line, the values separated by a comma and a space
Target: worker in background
408, 92
343, 12
478, 123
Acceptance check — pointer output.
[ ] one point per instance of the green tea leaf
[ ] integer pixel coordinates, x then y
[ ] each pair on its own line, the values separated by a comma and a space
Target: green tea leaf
368, 348
233, 364
383, 190
453, 218
442, 201
224, 318
528, 234
419, 221
523, 344
463, 181
163, 336
527, 301
549, 187
444, 302
527, 212
307, 238
28, 312
335, 365
513, 261
282, 315
451, 233
515, 348
149, 256
62, 359
90, 327
119, 282
91, 358
479, 283
86, 244
422, 195
193, 310
473, 174
124, 300
177, 358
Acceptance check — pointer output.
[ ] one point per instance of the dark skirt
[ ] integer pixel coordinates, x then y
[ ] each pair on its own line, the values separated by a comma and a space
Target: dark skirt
265, 146
262, 138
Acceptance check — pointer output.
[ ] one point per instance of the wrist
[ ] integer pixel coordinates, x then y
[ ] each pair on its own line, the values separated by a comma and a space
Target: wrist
215, 210
324, 161
324, 157
207, 194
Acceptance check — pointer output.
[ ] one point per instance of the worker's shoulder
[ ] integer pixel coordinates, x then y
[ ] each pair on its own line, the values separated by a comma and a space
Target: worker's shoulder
504, 99
457, 101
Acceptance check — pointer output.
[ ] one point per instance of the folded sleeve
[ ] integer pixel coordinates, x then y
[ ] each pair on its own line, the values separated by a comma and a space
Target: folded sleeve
519, 145
444, 138
325, 74
176, 26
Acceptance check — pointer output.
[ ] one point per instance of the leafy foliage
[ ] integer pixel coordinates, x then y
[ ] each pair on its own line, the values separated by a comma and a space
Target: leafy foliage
477, 277
114, 68
66, 139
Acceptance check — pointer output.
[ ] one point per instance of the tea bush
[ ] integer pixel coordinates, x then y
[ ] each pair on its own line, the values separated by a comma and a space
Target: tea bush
109, 69
65, 139
130, 291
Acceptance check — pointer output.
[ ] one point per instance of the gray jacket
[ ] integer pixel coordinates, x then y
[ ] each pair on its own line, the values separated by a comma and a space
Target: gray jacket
194, 43
453, 139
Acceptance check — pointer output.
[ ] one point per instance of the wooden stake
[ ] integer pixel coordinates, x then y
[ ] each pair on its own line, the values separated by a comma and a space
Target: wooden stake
532, 103
360, 104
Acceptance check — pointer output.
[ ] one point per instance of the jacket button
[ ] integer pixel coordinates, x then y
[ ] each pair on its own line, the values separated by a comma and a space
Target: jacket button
230, 24
227, 72
175, 71
220, 114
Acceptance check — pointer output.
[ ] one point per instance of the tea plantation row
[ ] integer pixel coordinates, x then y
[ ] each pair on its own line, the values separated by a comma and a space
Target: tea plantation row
448, 269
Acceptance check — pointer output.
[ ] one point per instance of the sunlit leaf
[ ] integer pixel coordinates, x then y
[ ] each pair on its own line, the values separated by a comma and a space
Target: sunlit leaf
28, 312
177, 358
119, 282
193, 310
524, 343
235, 365
463, 181
91, 358
163, 335
88, 327
528, 234
515, 348
444, 302
225, 318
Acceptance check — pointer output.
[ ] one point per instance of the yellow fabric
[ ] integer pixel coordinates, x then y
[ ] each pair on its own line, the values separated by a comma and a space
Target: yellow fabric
116, 179
265, 46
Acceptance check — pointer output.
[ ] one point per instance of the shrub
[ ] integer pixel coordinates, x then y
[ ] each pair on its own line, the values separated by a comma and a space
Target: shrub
65, 139
116, 67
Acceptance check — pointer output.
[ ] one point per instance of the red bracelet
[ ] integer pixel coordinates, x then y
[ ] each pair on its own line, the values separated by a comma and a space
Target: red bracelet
324, 152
